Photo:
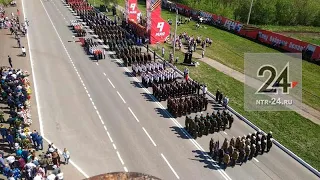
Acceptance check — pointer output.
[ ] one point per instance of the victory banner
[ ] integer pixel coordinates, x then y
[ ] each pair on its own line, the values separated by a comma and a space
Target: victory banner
157, 28
132, 10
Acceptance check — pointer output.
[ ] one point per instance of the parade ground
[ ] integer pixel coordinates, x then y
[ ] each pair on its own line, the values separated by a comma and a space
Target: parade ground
110, 123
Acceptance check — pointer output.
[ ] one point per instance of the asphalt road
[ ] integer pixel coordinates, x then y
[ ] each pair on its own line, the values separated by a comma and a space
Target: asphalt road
110, 123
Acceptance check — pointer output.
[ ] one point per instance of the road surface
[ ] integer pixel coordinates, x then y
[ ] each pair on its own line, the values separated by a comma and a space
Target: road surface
110, 123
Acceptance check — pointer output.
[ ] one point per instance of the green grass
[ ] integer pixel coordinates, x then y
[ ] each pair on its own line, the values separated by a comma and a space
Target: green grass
291, 28
292, 130
289, 128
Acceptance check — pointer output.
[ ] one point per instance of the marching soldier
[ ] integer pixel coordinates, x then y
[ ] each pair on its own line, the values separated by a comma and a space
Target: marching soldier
248, 151
253, 151
232, 141
263, 146
220, 155
230, 121
235, 156
258, 149
237, 144
211, 146
242, 155
269, 145
226, 160
225, 144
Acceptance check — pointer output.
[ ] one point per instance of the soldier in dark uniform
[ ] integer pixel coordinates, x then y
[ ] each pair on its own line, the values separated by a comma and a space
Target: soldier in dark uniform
217, 95
258, 149
220, 97
220, 155
253, 151
211, 146
263, 146
230, 121
235, 157
269, 145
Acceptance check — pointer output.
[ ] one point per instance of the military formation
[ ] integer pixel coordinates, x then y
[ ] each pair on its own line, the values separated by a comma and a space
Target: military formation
175, 89
208, 124
187, 105
133, 55
164, 76
92, 48
183, 97
240, 149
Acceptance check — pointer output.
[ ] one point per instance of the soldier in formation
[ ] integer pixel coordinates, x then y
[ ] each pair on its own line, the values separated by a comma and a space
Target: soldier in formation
186, 105
240, 149
208, 124
153, 67
176, 89
166, 76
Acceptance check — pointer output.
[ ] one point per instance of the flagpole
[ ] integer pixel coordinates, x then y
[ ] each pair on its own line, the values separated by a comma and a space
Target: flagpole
175, 35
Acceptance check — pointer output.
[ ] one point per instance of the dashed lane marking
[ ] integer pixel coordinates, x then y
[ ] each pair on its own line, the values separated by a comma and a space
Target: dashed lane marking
174, 172
70, 59
225, 132
133, 114
97, 64
104, 74
105, 128
256, 159
125, 169
114, 146
120, 158
109, 136
149, 136
111, 83
195, 143
121, 97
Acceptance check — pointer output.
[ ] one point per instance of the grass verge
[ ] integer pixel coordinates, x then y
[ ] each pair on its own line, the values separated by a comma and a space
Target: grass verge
295, 132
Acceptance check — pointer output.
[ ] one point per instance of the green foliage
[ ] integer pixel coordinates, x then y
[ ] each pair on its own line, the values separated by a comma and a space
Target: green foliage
276, 12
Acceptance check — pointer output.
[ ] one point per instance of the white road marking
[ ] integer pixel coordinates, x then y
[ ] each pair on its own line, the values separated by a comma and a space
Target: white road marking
66, 51
256, 159
133, 114
37, 93
194, 142
104, 74
89, 95
114, 146
111, 83
225, 132
125, 169
120, 158
105, 128
97, 64
121, 97
109, 136
102, 122
149, 136
90, 99
174, 172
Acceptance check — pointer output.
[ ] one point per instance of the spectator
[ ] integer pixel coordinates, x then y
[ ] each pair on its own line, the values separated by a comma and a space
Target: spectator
66, 155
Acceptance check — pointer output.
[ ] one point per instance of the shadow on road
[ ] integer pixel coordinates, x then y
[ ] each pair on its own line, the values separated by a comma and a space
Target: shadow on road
162, 113
147, 96
199, 156
179, 132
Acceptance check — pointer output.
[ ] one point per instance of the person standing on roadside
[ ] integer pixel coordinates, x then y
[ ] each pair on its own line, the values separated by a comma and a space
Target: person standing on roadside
10, 61
66, 156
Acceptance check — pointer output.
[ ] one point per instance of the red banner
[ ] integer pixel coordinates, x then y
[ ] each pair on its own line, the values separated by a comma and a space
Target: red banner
132, 10
275, 40
157, 27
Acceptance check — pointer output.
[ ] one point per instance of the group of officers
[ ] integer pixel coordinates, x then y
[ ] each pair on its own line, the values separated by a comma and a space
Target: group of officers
187, 105
139, 68
204, 125
174, 89
130, 56
240, 149
157, 77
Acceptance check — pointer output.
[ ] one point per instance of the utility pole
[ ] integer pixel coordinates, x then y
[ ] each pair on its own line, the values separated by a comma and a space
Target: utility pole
175, 34
249, 12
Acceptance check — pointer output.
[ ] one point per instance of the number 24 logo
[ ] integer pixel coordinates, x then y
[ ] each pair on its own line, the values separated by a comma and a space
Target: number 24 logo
275, 81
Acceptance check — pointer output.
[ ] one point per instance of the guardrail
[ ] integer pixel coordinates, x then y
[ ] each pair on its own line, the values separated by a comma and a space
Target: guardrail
283, 148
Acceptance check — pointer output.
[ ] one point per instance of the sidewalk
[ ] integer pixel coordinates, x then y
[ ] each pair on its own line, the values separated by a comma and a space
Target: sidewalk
305, 110
8, 46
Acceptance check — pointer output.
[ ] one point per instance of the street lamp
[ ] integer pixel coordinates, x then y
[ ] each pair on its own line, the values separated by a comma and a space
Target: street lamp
249, 12
175, 34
